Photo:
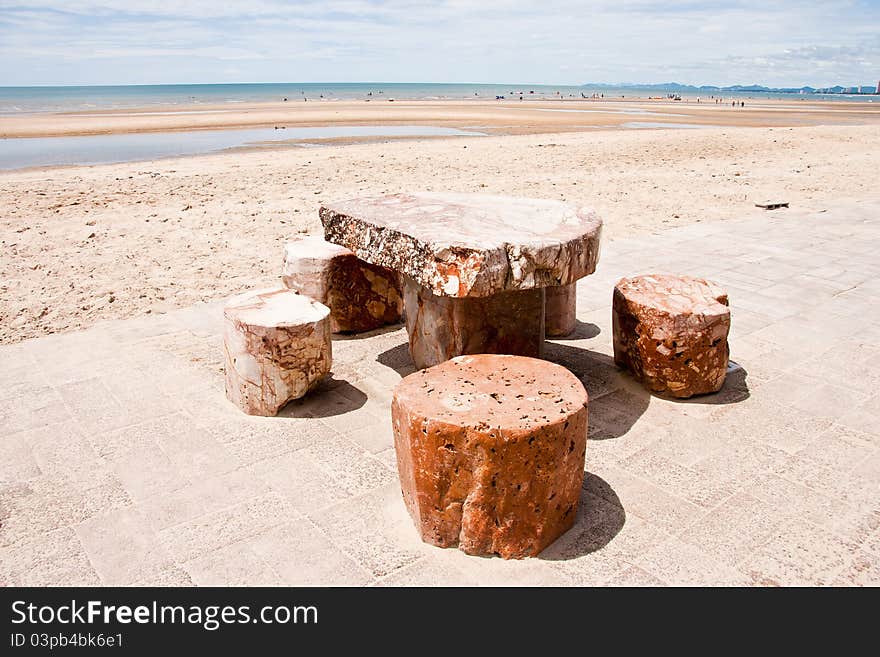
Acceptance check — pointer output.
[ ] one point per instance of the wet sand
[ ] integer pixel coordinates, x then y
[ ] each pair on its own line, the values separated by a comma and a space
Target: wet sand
496, 117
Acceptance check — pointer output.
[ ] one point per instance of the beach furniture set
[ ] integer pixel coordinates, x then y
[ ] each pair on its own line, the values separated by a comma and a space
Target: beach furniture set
490, 439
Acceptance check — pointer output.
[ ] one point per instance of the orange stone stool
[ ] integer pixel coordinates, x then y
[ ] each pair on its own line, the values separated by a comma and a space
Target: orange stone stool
671, 333
490, 452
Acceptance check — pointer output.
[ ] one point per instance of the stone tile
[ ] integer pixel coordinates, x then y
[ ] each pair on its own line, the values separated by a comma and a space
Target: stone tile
171, 575
864, 417
636, 577
837, 448
761, 419
56, 558
651, 503
352, 467
735, 529
585, 561
374, 437
145, 470
495, 571
704, 489
25, 412
688, 440
389, 458
597, 523
17, 461
122, 548
46, 503
742, 461
428, 572
614, 414
204, 496
192, 450
233, 565
864, 570
375, 529
252, 439
95, 407
799, 554
303, 555
872, 543
189, 540
63, 451
20, 380
683, 564
307, 486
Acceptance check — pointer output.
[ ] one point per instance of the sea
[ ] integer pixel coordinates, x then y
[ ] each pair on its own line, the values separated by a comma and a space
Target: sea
19, 100
24, 152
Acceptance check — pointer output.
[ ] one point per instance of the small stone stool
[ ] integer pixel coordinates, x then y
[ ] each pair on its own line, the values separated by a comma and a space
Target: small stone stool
671, 333
560, 310
361, 296
490, 452
277, 346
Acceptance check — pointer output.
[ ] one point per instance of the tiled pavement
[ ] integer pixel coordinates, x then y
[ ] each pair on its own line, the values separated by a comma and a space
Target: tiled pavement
122, 462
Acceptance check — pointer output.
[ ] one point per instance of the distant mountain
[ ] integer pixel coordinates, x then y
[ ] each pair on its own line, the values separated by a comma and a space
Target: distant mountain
753, 88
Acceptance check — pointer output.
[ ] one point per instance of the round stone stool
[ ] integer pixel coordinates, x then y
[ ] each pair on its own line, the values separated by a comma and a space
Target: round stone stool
671, 333
277, 346
490, 452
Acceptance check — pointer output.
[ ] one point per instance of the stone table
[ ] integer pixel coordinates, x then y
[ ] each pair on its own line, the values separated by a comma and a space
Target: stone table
475, 267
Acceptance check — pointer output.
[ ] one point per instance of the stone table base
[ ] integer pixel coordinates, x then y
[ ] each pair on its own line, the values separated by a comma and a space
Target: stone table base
560, 314
441, 327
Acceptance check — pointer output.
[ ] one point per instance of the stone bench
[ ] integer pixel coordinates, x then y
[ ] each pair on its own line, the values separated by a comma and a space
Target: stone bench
361, 296
490, 452
671, 333
277, 347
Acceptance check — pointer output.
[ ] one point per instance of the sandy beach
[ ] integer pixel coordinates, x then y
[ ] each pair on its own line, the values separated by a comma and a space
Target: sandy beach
497, 117
83, 244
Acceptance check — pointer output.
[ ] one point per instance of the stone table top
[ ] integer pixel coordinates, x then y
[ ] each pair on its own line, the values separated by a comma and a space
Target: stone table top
469, 245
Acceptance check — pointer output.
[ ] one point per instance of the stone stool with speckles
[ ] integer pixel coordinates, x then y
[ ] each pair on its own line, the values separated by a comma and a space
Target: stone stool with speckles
490, 452
277, 348
671, 333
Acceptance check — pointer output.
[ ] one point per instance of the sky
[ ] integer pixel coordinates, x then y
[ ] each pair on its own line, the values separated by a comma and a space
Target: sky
775, 43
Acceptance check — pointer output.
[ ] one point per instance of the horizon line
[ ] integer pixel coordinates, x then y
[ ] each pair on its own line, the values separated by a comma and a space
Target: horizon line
497, 84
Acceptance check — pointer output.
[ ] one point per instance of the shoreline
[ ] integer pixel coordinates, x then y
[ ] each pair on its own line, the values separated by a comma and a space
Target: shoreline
497, 117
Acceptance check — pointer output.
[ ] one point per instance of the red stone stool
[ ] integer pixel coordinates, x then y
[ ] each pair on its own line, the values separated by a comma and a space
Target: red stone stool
490, 452
671, 333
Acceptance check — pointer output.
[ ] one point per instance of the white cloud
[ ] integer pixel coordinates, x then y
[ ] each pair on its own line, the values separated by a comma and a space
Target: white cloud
791, 42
